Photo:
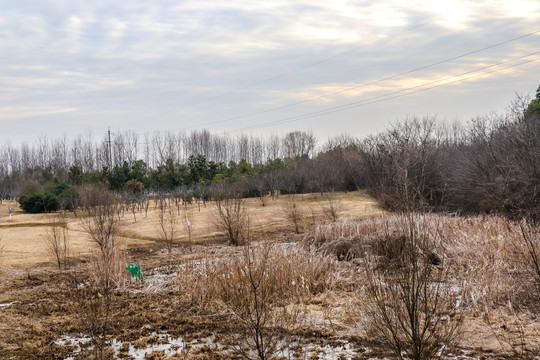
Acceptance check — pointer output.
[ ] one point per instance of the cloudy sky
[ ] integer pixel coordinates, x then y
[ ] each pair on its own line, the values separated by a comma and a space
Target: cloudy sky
334, 66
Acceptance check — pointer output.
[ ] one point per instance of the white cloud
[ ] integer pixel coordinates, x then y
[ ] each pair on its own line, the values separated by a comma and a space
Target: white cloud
208, 60
14, 113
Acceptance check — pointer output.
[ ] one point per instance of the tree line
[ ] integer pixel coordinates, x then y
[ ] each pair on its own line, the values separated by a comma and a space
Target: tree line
490, 164
89, 153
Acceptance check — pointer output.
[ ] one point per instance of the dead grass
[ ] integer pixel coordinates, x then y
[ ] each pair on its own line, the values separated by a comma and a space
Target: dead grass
32, 224
484, 250
300, 272
133, 235
24, 245
484, 253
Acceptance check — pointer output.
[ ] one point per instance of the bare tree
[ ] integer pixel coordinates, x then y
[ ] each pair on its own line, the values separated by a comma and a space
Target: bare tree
231, 216
134, 196
188, 218
297, 144
57, 239
10, 211
331, 206
167, 222
273, 147
294, 214
101, 222
255, 293
413, 306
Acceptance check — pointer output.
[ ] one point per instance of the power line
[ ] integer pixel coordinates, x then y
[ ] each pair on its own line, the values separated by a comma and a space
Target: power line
376, 43
391, 37
398, 93
390, 77
391, 95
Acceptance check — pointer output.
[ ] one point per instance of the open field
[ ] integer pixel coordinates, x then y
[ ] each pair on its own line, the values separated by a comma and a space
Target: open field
178, 310
24, 244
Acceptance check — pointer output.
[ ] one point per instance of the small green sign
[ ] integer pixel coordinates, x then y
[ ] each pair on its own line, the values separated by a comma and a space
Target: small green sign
135, 270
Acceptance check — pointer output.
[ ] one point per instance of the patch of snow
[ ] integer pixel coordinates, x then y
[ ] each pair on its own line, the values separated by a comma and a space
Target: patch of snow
326, 352
167, 344
77, 341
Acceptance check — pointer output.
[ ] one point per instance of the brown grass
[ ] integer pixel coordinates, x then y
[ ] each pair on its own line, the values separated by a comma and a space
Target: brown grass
300, 272
484, 250
484, 253
486, 257
32, 224
24, 245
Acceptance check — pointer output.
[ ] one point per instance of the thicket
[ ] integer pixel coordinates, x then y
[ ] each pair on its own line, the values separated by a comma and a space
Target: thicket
489, 165
55, 197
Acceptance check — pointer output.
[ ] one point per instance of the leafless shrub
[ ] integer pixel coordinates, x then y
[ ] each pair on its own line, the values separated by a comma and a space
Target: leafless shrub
331, 207
94, 310
529, 256
258, 290
531, 239
95, 300
258, 301
111, 268
231, 217
485, 255
517, 336
101, 222
413, 305
198, 281
294, 214
302, 273
167, 222
57, 239
478, 248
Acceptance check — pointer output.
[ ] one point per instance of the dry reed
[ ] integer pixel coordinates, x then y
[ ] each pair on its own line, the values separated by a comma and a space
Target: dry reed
297, 272
487, 252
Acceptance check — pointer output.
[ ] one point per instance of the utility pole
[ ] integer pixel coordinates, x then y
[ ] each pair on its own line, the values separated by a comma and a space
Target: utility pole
110, 147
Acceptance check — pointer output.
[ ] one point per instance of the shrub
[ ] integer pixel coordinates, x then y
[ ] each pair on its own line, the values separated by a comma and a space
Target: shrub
413, 305
69, 199
261, 286
36, 203
231, 217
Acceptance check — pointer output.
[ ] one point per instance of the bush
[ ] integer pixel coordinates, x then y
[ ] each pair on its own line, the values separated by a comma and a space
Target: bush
69, 199
36, 203
412, 305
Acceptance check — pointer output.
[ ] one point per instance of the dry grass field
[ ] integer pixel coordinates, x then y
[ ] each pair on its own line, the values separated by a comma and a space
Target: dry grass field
24, 244
189, 305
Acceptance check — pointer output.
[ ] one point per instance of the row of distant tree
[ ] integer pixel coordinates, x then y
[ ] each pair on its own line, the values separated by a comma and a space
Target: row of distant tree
490, 164
154, 149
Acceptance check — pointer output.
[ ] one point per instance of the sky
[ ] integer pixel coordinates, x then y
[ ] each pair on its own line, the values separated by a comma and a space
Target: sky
68, 67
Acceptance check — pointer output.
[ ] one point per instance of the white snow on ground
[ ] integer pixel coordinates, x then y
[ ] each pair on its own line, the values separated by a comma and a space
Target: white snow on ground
167, 344
174, 346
